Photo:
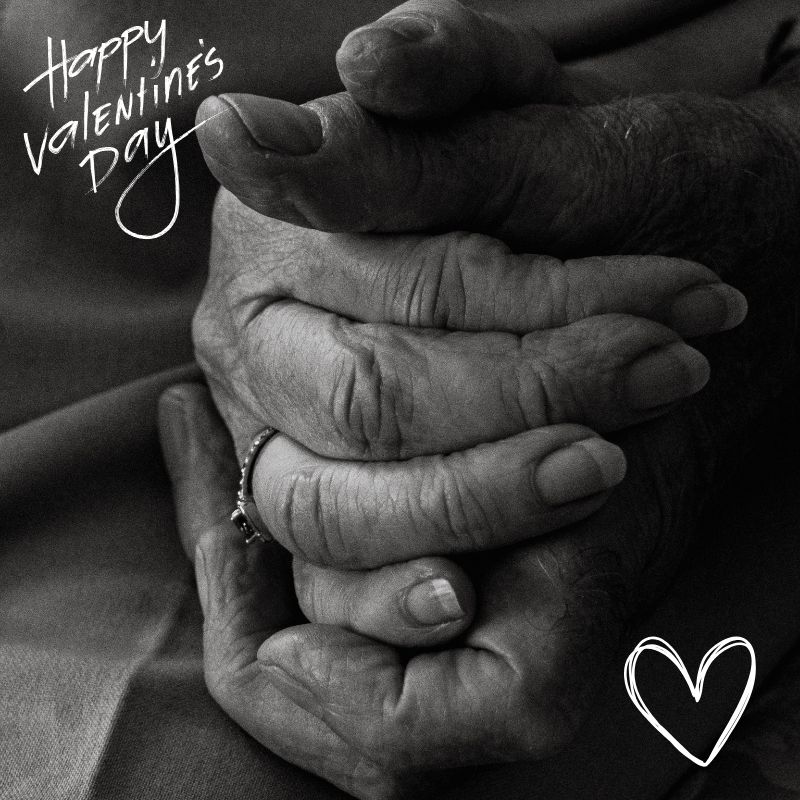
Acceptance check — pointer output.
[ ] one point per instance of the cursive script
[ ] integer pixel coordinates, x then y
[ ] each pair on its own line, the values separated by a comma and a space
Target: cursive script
146, 92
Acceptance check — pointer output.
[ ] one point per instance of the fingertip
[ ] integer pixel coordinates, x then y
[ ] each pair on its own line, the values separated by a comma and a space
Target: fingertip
433, 601
736, 307
428, 60
173, 428
210, 107
436, 605
185, 403
669, 373
579, 470
248, 143
276, 125
214, 129
399, 67
416, 603
707, 309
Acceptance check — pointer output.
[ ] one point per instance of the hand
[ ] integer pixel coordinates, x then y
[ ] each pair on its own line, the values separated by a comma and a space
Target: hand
379, 376
369, 402
641, 174
514, 687
664, 484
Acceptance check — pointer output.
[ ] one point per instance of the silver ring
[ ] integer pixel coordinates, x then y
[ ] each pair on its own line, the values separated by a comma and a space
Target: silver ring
245, 516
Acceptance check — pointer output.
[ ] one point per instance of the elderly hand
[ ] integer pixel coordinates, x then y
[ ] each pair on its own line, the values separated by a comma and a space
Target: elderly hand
550, 611
364, 348
659, 173
376, 721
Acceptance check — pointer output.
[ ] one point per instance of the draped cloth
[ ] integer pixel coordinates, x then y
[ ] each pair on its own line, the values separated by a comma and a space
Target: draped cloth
101, 686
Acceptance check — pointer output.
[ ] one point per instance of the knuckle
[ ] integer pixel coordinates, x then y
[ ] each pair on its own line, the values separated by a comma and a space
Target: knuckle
443, 268
616, 339
464, 519
538, 387
427, 302
217, 350
254, 260
295, 499
446, 294
557, 298
471, 257
365, 400
306, 514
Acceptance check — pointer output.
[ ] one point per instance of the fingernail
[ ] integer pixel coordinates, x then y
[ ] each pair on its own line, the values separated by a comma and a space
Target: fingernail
433, 602
579, 470
172, 429
703, 310
665, 375
412, 29
363, 49
391, 31
276, 125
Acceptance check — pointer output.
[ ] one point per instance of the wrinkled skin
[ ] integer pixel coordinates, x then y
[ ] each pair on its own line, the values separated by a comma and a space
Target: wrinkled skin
518, 682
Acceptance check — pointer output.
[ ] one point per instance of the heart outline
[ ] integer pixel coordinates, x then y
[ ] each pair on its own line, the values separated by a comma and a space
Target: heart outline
659, 645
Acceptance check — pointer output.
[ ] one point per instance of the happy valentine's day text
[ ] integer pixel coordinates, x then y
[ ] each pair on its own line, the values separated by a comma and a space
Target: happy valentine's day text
113, 58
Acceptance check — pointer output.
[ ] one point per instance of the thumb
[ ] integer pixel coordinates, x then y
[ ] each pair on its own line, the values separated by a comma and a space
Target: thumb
553, 179
429, 58
333, 166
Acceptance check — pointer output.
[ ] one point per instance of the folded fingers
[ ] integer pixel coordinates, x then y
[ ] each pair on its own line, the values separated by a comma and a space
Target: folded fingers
416, 603
453, 281
350, 709
332, 165
514, 688
384, 392
246, 595
365, 514
545, 178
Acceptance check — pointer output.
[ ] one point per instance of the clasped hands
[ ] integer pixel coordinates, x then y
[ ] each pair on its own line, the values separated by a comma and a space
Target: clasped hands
441, 480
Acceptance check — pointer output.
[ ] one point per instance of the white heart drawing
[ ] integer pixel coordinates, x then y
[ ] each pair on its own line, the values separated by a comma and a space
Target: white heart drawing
658, 645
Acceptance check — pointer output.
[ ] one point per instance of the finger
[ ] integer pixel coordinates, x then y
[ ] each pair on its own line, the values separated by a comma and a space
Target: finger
245, 593
543, 178
204, 473
455, 281
516, 690
411, 604
341, 677
199, 456
430, 58
355, 514
383, 392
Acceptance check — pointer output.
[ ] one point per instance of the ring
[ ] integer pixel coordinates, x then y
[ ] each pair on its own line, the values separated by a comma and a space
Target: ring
245, 516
